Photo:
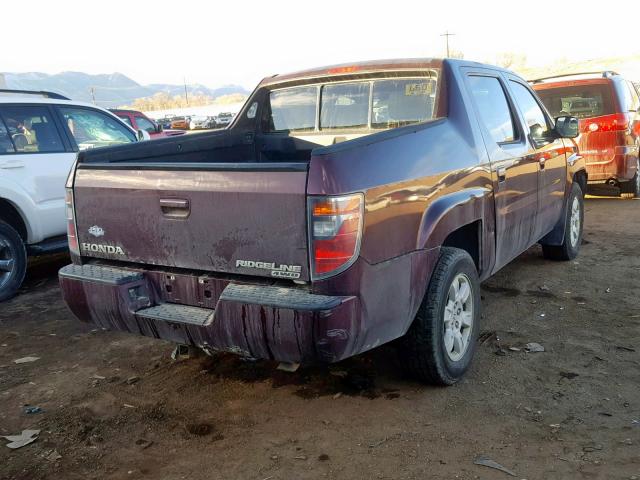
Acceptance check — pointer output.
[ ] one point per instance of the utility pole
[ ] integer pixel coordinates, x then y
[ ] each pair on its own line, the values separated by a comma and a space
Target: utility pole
93, 94
186, 95
447, 35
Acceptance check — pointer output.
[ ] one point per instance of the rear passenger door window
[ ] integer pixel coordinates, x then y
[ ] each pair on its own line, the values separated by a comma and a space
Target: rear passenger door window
92, 128
493, 108
30, 129
534, 117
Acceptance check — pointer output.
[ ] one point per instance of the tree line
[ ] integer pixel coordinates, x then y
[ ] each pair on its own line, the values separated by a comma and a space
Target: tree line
164, 101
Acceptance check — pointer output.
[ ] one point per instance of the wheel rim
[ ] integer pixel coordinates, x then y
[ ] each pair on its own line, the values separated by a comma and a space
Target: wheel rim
7, 261
574, 222
458, 317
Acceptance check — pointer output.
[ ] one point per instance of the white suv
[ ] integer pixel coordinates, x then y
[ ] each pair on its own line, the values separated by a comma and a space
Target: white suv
40, 135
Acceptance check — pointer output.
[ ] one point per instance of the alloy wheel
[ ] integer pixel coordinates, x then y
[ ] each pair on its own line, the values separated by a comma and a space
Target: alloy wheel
574, 222
7, 261
458, 317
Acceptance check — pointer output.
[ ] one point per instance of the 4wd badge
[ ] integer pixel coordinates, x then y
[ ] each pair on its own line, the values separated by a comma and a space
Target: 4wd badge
96, 231
278, 271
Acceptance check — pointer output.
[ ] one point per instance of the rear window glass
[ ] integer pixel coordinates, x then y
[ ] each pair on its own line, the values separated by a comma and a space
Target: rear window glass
376, 104
345, 105
582, 101
401, 102
293, 109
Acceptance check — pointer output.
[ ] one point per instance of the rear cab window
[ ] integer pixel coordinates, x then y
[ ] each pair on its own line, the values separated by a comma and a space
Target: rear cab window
360, 105
28, 129
581, 100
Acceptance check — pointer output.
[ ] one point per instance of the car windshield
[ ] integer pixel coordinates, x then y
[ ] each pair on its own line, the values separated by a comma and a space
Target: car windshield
582, 101
370, 104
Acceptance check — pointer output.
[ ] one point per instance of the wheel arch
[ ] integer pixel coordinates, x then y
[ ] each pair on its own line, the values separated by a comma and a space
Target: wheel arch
10, 214
465, 220
581, 177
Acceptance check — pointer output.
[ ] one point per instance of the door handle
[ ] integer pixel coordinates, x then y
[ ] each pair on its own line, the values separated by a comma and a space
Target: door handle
175, 207
502, 174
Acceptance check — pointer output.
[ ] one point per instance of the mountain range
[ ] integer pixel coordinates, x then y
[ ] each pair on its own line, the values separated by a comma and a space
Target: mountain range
110, 90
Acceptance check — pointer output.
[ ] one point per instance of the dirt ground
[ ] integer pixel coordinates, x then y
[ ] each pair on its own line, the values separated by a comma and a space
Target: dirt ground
116, 406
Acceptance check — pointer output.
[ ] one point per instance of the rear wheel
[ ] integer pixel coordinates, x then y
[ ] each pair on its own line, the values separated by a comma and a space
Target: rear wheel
439, 346
574, 221
13, 261
632, 189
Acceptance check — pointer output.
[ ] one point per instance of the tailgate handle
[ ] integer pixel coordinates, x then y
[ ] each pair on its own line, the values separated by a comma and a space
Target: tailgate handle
175, 207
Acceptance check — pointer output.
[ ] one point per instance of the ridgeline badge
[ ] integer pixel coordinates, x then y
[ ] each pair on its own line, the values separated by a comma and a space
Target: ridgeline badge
278, 271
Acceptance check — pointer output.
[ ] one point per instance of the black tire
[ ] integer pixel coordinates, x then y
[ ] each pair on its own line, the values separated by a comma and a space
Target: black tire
632, 189
422, 350
570, 243
11, 249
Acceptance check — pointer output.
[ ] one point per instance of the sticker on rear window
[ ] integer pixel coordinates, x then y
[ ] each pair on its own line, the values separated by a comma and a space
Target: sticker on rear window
417, 89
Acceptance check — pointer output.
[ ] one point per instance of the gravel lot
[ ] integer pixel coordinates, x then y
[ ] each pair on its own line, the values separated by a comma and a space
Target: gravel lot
116, 406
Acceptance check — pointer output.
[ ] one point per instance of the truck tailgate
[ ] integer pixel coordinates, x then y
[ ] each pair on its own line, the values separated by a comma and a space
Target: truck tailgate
233, 218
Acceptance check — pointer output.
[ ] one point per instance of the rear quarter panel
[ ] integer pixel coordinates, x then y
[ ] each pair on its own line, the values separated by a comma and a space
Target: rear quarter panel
420, 183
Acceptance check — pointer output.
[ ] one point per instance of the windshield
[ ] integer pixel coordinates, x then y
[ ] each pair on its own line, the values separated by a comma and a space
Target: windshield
582, 101
365, 104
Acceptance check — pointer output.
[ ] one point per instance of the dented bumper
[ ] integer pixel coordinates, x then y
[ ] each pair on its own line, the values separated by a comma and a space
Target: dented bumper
286, 324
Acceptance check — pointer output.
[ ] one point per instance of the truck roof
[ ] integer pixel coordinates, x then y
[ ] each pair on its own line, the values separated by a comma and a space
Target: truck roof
371, 66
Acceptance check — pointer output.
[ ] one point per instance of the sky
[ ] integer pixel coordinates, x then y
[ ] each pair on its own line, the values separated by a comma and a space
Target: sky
240, 42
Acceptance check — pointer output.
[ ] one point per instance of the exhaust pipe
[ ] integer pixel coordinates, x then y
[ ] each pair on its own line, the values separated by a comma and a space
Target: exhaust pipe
612, 182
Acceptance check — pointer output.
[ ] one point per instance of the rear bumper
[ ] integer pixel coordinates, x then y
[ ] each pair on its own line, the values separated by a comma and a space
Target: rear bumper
620, 167
259, 321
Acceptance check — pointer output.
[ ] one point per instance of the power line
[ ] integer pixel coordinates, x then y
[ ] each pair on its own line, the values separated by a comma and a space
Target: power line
447, 35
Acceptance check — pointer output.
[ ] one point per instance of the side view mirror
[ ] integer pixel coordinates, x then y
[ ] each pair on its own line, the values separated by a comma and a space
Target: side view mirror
158, 128
567, 127
143, 135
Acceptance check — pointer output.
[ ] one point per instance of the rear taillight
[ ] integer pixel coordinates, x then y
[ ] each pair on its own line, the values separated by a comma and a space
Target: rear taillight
72, 235
606, 123
335, 228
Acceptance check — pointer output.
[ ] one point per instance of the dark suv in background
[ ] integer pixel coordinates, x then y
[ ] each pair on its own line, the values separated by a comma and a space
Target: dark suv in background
608, 106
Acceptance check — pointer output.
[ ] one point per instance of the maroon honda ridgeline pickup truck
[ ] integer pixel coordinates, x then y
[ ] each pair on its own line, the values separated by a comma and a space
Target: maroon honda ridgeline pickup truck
345, 207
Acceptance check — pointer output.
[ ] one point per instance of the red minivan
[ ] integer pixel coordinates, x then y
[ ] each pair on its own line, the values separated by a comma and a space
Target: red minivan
608, 106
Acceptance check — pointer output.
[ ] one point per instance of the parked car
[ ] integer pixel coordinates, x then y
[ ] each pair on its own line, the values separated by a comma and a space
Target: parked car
180, 122
165, 122
139, 121
199, 122
608, 107
40, 133
312, 230
224, 119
